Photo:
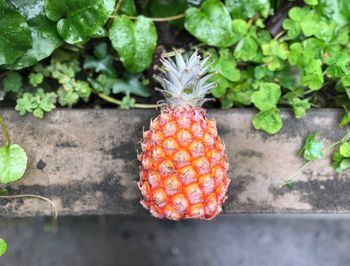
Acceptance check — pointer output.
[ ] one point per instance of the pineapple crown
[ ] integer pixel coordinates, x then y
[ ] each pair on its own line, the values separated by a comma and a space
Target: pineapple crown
186, 81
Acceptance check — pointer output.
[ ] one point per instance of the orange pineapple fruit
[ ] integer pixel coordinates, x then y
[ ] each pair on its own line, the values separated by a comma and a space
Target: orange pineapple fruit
183, 164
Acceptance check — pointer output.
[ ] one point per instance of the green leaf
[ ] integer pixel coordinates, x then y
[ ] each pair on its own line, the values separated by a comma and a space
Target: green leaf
344, 149
267, 96
242, 93
312, 76
3, 247
246, 49
128, 8
269, 121
295, 55
127, 102
345, 120
226, 66
103, 83
211, 24
13, 163
344, 164
12, 82
134, 41
298, 13
77, 20
15, 37
293, 28
336, 10
131, 85
312, 148
311, 2
167, 8
70, 93
310, 24
37, 103
101, 62
300, 107
44, 34
35, 79
221, 86
248, 8
275, 48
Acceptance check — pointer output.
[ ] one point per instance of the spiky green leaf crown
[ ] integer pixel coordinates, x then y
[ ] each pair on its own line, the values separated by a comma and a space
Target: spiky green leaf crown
186, 81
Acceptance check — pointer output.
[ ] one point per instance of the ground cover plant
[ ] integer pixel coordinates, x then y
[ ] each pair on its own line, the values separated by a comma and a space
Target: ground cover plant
263, 54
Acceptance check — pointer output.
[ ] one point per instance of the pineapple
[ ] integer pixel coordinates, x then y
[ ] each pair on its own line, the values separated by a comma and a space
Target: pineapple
183, 164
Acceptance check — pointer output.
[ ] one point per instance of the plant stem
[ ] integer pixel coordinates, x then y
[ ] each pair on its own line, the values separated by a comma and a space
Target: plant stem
117, 6
326, 150
118, 102
35, 197
280, 34
158, 19
5, 132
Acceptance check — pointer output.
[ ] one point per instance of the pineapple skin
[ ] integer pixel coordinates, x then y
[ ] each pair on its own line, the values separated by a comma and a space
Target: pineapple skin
183, 165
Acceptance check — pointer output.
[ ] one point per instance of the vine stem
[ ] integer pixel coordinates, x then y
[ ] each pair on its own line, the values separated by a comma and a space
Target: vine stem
117, 6
326, 151
35, 197
118, 102
180, 16
5, 132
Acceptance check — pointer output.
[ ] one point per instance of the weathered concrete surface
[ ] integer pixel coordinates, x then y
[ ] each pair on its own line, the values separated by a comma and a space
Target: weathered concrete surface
231, 240
85, 161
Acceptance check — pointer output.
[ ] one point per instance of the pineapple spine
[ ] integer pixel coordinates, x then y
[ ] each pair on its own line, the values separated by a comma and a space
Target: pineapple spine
185, 82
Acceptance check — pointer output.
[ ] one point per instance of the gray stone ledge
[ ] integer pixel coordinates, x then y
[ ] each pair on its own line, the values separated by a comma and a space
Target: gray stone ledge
85, 161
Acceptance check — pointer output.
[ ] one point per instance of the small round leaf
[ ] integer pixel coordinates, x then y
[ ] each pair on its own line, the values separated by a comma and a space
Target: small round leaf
13, 163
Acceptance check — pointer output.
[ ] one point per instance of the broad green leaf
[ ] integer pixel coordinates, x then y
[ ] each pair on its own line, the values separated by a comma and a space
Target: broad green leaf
77, 20
211, 23
312, 148
101, 61
246, 49
226, 66
3, 247
131, 85
134, 41
13, 163
12, 82
310, 24
267, 96
15, 35
269, 121
242, 93
312, 76
44, 34
344, 149
248, 8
